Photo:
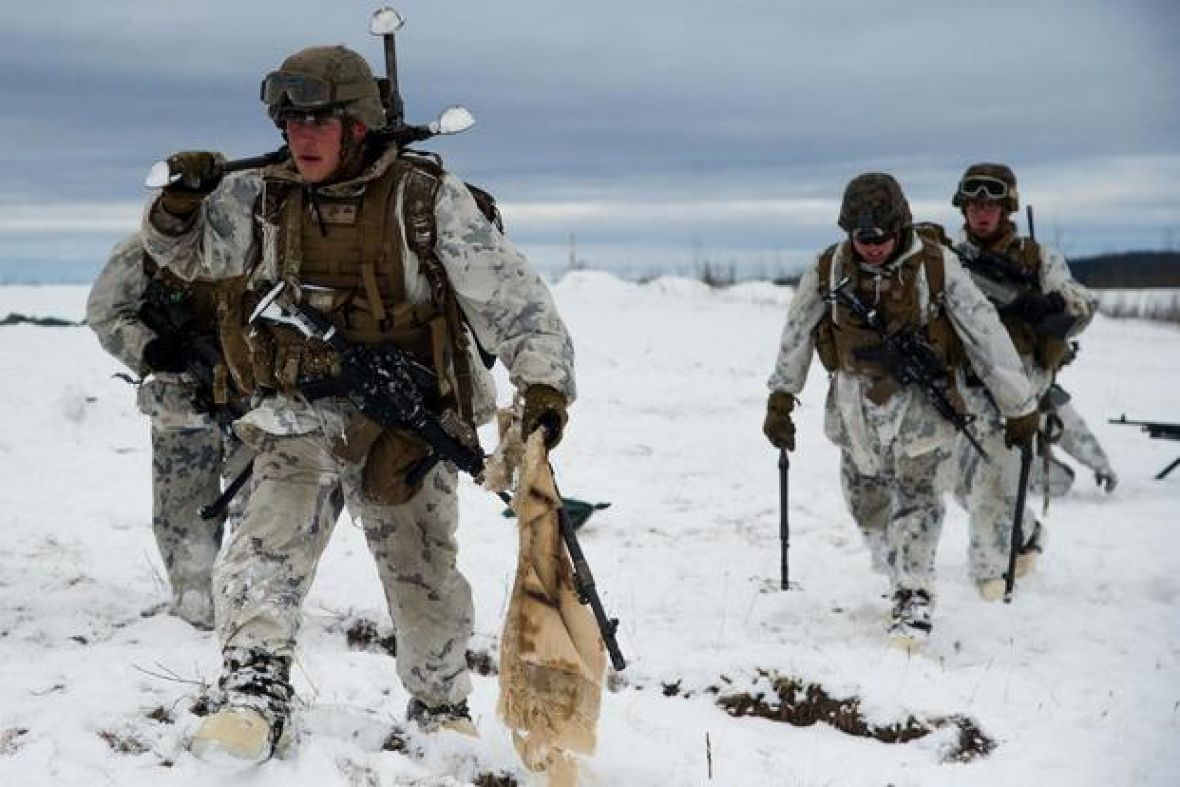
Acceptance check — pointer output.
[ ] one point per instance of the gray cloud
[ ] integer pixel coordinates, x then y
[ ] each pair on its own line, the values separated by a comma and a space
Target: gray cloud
657, 128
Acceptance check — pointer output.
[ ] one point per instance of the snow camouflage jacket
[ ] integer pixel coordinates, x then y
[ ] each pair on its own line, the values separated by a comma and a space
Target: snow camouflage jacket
1054, 276
504, 300
906, 423
112, 312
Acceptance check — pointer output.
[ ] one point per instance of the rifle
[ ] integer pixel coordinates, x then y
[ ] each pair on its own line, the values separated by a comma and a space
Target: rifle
390, 386
168, 314
1017, 521
784, 522
1156, 430
910, 359
1002, 280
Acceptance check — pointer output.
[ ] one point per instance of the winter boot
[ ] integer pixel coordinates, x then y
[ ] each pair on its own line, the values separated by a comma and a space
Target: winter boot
195, 607
455, 718
1034, 545
909, 624
252, 722
991, 589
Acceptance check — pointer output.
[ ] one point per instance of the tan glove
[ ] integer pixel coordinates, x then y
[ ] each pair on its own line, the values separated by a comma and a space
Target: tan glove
1020, 430
544, 406
200, 172
778, 426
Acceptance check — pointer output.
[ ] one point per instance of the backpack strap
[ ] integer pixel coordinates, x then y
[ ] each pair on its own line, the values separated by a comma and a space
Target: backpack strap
423, 181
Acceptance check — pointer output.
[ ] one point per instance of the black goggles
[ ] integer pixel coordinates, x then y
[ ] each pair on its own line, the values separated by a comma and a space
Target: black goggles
302, 90
872, 236
983, 187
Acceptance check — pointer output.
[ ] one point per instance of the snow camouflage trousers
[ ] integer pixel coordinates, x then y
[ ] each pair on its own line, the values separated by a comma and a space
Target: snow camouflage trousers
987, 491
300, 488
188, 465
899, 514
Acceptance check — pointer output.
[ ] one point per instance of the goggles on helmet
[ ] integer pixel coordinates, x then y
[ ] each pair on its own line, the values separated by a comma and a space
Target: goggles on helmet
983, 187
302, 90
872, 236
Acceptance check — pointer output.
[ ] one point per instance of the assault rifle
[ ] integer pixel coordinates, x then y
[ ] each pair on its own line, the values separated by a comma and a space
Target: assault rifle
1156, 430
390, 386
909, 358
1002, 280
169, 315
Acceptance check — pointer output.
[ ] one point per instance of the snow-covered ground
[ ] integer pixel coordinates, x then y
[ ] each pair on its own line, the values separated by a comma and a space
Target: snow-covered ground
1078, 680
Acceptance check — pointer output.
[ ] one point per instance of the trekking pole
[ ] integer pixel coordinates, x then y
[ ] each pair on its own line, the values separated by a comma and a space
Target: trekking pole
1017, 521
784, 522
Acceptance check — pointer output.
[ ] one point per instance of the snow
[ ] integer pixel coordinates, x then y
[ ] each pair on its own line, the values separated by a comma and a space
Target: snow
1077, 679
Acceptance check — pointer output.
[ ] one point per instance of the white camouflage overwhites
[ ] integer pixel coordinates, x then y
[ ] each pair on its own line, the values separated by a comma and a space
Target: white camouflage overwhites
890, 451
302, 485
190, 454
988, 490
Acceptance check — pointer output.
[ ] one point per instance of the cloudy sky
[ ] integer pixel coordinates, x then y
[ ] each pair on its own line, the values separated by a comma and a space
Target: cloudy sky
660, 134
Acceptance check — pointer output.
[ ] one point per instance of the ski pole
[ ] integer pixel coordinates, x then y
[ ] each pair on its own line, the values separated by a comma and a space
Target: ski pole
1017, 520
784, 522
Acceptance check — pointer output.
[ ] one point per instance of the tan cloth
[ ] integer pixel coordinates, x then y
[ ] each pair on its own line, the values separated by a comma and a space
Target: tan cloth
551, 655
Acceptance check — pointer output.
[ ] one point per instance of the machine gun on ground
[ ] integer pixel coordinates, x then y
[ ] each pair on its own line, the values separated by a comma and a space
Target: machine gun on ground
909, 358
1156, 430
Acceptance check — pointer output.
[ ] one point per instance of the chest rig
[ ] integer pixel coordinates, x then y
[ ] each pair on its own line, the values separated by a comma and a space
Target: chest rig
343, 250
844, 343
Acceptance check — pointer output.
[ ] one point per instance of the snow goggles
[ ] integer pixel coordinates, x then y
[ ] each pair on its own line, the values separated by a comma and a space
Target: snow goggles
302, 90
983, 187
872, 236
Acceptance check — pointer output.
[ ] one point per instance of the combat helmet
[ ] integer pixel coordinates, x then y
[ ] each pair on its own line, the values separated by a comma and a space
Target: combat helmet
988, 181
324, 78
874, 201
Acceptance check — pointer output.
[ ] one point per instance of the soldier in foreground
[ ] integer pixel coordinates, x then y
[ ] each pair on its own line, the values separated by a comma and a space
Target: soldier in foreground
892, 437
1041, 306
190, 451
394, 251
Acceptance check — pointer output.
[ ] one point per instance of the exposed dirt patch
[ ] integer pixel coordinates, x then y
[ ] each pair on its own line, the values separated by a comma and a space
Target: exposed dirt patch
803, 704
12, 739
123, 744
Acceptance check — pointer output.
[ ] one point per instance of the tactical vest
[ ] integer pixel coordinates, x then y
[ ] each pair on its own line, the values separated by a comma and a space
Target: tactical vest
843, 343
1049, 352
344, 255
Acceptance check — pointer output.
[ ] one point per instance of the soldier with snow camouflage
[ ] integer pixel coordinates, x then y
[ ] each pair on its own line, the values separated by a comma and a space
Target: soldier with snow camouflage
891, 438
1062, 427
190, 452
1041, 314
392, 249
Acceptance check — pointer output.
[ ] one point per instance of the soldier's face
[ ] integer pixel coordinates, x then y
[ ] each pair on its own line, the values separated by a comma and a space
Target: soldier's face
984, 217
315, 146
875, 253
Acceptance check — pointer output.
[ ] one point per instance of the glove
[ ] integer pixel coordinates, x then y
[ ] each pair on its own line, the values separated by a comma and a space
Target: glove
1107, 480
778, 427
165, 354
200, 172
544, 407
1020, 430
1032, 307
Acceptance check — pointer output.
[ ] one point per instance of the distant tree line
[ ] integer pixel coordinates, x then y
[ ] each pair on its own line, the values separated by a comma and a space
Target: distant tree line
1128, 270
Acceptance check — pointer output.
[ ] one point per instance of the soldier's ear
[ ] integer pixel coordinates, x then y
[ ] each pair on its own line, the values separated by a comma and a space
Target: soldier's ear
358, 130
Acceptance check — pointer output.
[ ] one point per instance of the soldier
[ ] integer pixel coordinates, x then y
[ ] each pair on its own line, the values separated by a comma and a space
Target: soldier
190, 451
891, 437
1041, 306
392, 249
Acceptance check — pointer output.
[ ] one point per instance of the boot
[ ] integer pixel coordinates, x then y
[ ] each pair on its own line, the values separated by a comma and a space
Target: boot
455, 718
252, 723
909, 624
1034, 545
991, 589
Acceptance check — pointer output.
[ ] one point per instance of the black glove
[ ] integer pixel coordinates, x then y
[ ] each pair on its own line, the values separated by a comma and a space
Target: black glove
200, 171
165, 354
544, 407
778, 426
1032, 307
